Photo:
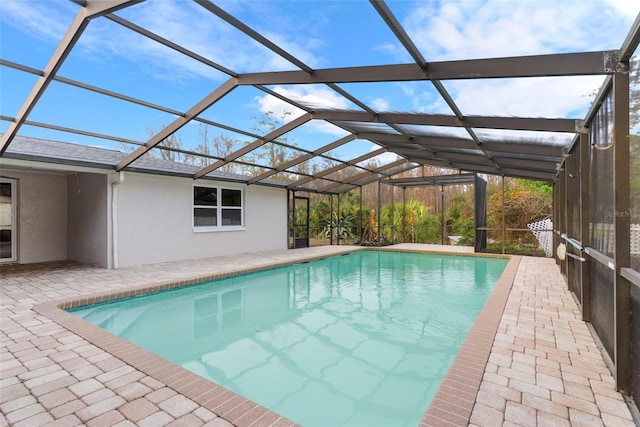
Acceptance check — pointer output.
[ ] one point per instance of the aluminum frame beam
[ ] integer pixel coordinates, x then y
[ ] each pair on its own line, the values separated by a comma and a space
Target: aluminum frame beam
92, 10
622, 329
552, 65
481, 122
303, 158
435, 143
364, 174
529, 164
222, 14
173, 127
181, 49
403, 168
121, 97
455, 179
352, 162
391, 21
631, 42
255, 144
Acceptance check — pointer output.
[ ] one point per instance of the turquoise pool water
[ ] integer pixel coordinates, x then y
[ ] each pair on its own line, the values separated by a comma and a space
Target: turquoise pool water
362, 339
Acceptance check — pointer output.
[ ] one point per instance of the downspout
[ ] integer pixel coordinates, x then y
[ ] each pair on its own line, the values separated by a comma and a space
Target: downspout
114, 218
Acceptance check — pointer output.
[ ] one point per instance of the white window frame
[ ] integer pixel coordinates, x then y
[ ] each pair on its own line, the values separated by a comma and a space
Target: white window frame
14, 219
219, 209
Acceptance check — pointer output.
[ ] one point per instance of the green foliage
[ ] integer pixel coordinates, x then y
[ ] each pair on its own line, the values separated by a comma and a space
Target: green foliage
460, 219
412, 223
321, 216
526, 201
338, 228
537, 187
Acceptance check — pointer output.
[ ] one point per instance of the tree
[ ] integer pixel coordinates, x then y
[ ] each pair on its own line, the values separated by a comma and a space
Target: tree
412, 222
524, 202
270, 153
460, 218
173, 141
219, 146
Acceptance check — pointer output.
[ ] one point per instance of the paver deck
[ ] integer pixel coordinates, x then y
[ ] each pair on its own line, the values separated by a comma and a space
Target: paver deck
544, 367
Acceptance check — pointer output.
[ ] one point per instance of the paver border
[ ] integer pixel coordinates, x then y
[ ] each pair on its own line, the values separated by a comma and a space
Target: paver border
454, 399
453, 403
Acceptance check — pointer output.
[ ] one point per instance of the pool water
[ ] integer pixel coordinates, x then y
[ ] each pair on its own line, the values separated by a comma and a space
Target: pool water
363, 339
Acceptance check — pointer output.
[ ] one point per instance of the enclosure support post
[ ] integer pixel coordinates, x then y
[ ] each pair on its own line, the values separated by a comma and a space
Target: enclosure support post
442, 214
393, 216
292, 206
504, 232
338, 221
361, 227
404, 215
480, 213
378, 213
554, 216
331, 219
585, 215
622, 227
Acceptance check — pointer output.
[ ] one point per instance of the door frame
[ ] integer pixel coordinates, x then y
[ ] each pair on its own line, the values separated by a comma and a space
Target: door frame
301, 242
14, 219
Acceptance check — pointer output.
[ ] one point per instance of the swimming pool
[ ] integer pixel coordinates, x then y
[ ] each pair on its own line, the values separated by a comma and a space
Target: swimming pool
359, 339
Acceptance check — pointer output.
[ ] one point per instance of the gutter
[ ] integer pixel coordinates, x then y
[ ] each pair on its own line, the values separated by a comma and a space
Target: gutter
114, 219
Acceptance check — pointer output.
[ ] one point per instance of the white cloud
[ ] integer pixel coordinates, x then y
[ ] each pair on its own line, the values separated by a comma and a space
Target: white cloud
271, 104
381, 159
395, 51
184, 23
44, 20
626, 7
191, 26
494, 28
380, 104
530, 97
316, 97
387, 157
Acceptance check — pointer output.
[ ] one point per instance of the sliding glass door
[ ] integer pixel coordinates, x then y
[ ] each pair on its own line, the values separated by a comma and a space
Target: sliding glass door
8, 203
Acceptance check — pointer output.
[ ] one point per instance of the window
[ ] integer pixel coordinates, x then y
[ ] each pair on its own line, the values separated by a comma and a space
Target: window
217, 208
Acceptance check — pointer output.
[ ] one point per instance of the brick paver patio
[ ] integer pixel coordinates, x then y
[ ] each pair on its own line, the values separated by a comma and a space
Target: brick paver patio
544, 368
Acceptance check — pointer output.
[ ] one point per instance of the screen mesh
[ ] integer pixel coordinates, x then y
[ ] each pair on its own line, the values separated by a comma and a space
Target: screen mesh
602, 303
601, 182
634, 151
574, 218
635, 342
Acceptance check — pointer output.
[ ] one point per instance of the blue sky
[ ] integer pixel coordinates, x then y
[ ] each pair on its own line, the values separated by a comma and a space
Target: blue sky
320, 33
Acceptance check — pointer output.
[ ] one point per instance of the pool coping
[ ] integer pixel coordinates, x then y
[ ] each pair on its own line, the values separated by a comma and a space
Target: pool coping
453, 401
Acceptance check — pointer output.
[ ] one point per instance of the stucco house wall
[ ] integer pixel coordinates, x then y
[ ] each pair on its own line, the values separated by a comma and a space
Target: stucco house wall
42, 216
88, 221
155, 221
72, 209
